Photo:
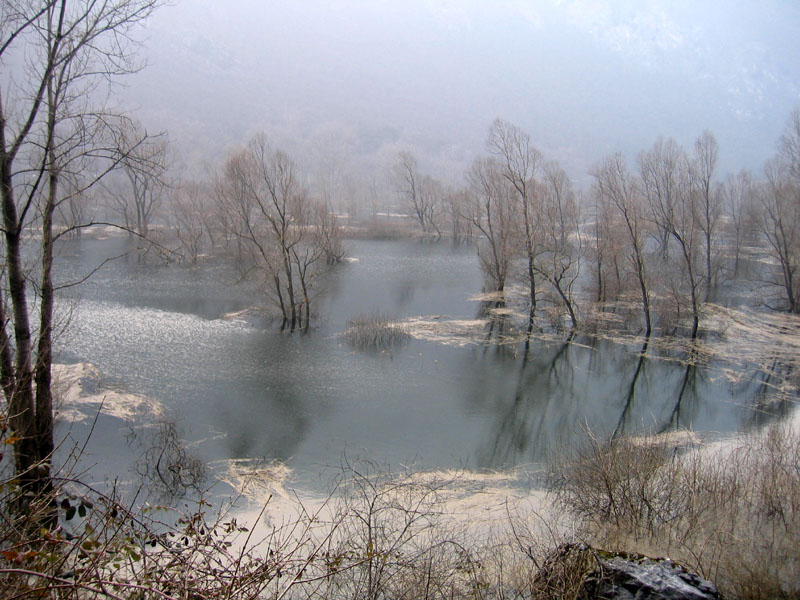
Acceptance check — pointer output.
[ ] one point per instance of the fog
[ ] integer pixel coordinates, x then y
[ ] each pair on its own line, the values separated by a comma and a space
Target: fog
356, 81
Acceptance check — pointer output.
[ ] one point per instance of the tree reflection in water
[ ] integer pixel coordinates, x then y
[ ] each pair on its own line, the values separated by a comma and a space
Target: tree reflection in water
562, 389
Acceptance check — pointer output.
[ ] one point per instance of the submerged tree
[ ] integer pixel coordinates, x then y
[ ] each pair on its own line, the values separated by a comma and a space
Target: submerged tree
619, 196
189, 211
144, 164
519, 161
277, 230
547, 209
562, 241
57, 53
422, 194
489, 208
665, 174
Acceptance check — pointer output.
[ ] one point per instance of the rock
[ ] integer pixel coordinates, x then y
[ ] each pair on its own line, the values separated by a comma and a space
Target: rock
585, 573
642, 578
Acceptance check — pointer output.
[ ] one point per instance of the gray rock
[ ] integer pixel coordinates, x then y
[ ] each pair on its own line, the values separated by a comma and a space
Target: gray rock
641, 578
585, 573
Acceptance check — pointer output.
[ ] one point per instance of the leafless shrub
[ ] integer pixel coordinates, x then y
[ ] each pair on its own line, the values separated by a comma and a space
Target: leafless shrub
733, 514
167, 466
621, 483
563, 573
379, 536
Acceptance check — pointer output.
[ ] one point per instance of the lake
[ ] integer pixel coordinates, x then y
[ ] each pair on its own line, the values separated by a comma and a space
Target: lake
240, 388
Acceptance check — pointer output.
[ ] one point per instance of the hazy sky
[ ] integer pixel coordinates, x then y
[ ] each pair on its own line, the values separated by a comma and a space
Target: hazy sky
364, 79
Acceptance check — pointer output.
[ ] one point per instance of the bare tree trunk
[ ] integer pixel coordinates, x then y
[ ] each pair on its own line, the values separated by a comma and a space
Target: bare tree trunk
21, 410
44, 352
21, 404
287, 266
531, 291
567, 302
276, 279
643, 290
692, 285
6, 358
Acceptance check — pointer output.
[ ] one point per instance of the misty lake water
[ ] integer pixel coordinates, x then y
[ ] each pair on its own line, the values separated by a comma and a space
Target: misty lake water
243, 389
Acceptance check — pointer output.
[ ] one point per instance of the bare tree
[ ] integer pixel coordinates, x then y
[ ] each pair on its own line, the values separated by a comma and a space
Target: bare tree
490, 209
461, 227
233, 214
562, 240
738, 197
328, 234
779, 222
665, 173
520, 160
422, 193
618, 191
144, 163
608, 252
270, 218
190, 210
707, 202
780, 210
67, 49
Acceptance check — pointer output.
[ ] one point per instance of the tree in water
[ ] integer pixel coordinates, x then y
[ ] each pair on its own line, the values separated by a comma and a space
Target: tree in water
489, 208
519, 161
779, 215
422, 194
619, 195
666, 175
562, 239
278, 231
144, 164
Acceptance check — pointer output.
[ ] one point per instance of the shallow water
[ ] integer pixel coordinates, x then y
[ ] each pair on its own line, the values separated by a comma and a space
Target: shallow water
239, 389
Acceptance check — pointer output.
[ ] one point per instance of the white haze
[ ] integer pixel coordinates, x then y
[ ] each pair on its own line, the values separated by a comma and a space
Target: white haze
343, 85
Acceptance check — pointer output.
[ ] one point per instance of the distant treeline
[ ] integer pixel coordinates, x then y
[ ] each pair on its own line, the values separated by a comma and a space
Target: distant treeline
648, 242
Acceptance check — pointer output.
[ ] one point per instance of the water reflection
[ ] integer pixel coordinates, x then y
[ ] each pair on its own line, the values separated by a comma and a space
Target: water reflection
773, 392
243, 391
520, 425
559, 390
620, 428
686, 402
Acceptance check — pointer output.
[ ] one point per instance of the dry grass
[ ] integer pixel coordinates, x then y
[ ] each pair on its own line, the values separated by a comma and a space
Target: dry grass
731, 512
563, 573
375, 332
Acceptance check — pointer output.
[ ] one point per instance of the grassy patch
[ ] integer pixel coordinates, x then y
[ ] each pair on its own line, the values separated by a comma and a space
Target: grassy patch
376, 332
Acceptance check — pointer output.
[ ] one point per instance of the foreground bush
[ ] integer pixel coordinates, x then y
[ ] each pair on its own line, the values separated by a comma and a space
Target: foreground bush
730, 512
377, 537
